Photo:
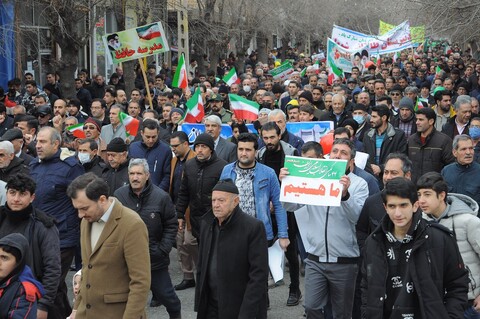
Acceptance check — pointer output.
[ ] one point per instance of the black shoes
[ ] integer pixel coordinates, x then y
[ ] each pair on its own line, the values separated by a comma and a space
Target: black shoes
185, 284
294, 298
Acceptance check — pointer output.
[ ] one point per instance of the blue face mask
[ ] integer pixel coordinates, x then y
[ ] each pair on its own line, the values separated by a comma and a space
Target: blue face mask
359, 119
474, 132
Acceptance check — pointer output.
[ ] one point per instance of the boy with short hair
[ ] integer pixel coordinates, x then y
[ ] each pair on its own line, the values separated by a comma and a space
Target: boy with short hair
458, 213
411, 269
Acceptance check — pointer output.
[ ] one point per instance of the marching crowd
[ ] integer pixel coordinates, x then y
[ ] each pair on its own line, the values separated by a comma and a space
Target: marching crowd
404, 242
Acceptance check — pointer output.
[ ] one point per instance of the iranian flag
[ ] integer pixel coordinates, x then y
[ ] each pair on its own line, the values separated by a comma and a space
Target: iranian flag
231, 77
131, 124
149, 32
195, 110
77, 130
180, 80
242, 108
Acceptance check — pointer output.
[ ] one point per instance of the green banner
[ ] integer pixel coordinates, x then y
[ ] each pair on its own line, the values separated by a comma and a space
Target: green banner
283, 71
315, 168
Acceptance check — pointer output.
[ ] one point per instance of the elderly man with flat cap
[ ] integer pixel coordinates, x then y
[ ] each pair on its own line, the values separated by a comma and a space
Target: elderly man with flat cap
231, 242
15, 136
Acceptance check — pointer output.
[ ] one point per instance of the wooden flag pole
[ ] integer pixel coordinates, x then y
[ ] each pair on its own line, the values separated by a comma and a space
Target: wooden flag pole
142, 66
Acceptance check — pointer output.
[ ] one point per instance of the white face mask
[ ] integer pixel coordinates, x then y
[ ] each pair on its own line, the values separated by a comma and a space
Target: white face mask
247, 88
84, 158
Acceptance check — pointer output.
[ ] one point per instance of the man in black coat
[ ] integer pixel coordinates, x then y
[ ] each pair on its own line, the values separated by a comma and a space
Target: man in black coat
10, 165
116, 172
396, 165
232, 268
411, 269
200, 176
158, 213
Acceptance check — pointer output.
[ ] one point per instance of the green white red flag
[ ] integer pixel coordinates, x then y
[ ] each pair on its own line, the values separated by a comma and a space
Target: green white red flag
231, 77
77, 130
131, 124
195, 109
242, 108
180, 79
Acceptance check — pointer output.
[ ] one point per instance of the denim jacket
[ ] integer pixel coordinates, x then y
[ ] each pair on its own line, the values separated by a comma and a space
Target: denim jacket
266, 189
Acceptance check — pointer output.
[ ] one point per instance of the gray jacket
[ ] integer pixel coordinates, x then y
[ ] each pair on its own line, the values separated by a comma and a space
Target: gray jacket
287, 150
461, 218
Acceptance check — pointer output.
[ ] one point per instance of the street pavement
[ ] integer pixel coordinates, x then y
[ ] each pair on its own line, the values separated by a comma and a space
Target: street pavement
278, 296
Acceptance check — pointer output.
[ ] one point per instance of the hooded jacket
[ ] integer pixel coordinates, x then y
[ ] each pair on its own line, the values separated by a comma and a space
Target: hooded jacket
461, 218
20, 291
44, 254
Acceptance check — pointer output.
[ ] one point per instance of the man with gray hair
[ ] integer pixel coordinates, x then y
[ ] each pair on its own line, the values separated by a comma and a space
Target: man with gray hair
337, 113
115, 128
459, 123
462, 176
225, 150
156, 209
10, 165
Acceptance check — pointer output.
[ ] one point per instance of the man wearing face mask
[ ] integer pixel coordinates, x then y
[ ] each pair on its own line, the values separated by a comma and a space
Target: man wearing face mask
360, 115
247, 87
268, 101
474, 132
87, 155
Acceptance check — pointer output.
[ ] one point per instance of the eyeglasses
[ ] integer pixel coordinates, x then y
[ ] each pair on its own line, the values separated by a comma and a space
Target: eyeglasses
175, 145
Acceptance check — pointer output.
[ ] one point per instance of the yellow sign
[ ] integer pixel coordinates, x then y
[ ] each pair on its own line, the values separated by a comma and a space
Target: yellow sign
417, 33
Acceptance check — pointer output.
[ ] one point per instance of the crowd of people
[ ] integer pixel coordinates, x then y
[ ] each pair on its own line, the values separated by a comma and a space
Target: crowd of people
404, 242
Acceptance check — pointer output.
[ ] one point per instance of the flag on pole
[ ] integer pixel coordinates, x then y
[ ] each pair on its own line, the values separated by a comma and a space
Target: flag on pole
242, 108
195, 109
77, 130
180, 80
438, 70
303, 72
231, 77
131, 124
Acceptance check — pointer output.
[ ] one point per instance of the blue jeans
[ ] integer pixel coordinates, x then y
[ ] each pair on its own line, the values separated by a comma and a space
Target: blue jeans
162, 290
471, 313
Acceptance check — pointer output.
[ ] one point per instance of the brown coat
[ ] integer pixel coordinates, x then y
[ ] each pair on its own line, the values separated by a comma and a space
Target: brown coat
191, 154
116, 275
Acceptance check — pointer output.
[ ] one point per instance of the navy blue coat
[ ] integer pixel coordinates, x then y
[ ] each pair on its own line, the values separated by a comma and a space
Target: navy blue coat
53, 175
158, 157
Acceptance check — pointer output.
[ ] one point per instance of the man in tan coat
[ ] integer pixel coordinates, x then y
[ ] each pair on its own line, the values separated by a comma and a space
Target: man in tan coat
115, 256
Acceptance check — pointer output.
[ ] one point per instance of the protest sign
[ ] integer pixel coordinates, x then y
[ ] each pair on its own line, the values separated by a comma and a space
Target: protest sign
193, 130
417, 33
340, 60
136, 43
310, 131
313, 181
283, 71
394, 40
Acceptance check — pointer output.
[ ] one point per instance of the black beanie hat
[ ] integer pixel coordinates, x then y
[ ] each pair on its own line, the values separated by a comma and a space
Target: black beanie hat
117, 145
205, 139
307, 95
226, 185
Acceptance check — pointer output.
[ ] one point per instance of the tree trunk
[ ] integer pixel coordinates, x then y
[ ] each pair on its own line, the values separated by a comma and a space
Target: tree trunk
129, 75
66, 67
262, 47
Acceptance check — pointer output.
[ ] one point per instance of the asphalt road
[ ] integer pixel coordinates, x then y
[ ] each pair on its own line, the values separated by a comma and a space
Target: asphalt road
278, 297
